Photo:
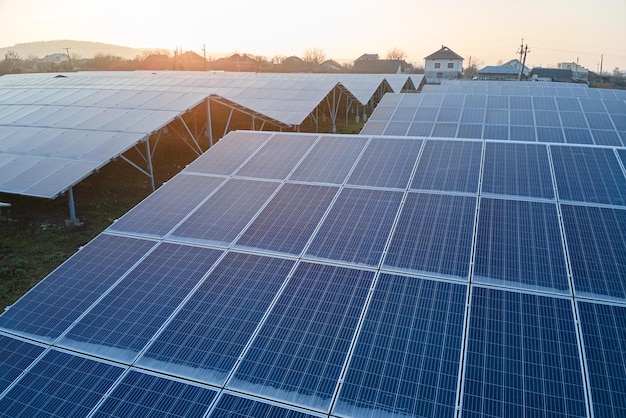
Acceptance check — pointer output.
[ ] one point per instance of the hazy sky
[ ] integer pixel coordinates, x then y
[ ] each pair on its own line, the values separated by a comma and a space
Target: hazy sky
490, 31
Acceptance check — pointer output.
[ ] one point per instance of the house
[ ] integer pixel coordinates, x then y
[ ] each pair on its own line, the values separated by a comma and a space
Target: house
55, 58
372, 64
443, 64
552, 74
578, 71
329, 66
508, 71
295, 64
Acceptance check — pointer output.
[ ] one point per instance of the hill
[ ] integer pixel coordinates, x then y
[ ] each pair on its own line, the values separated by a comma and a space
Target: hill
83, 49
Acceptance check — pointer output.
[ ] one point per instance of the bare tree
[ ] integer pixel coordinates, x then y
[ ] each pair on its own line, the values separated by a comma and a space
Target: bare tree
396, 54
278, 59
472, 67
314, 56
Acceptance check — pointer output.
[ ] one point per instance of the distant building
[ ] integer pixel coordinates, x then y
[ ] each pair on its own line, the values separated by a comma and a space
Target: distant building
55, 58
578, 71
371, 64
329, 66
295, 64
443, 64
558, 75
507, 71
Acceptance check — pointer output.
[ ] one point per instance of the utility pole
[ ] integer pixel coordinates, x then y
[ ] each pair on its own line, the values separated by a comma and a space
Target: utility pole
523, 51
204, 54
67, 50
601, 61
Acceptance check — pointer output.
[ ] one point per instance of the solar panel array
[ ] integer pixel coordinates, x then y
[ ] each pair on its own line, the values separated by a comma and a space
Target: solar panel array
56, 131
348, 276
529, 112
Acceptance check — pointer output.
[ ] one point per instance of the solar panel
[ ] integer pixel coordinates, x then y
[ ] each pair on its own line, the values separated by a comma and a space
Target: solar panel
15, 356
604, 342
519, 243
319, 310
405, 361
231, 406
449, 166
120, 325
522, 357
357, 227
206, 337
60, 384
433, 235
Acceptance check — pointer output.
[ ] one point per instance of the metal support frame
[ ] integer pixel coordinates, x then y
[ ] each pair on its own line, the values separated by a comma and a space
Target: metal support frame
209, 121
70, 198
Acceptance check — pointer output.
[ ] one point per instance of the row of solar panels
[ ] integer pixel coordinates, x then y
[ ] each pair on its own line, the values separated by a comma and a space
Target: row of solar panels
518, 118
354, 276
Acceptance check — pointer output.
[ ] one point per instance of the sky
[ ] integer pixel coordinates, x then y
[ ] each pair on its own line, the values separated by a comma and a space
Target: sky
490, 32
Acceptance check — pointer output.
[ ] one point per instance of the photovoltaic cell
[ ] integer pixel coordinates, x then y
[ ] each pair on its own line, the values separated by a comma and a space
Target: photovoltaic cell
163, 209
434, 235
148, 396
123, 322
205, 339
405, 362
449, 166
330, 160
577, 136
596, 242
517, 169
299, 352
57, 301
15, 356
605, 348
590, 175
518, 243
554, 135
59, 385
522, 357
287, 222
221, 218
357, 227
386, 162
278, 157
230, 406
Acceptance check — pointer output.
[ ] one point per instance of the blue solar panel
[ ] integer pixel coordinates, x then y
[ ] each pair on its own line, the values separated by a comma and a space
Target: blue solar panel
220, 219
397, 128
517, 169
574, 120
449, 166
619, 121
426, 114
567, 104
554, 135
599, 121
405, 362
589, 175
330, 160
386, 162
15, 356
470, 131
547, 118
148, 396
228, 154
578, 136
610, 138
357, 227
605, 348
404, 114
615, 107
544, 103
230, 406
299, 351
596, 242
522, 133
519, 243
278, 157
496, 132
522, 357
57, 301
59, 385
592, 104
475, 100
471, 115
287, 222
434, 235
449, 114
162, 210
207, 336
444, 130
125, 320
420, 129
497, 117
520, 103
523, 118
497, 102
